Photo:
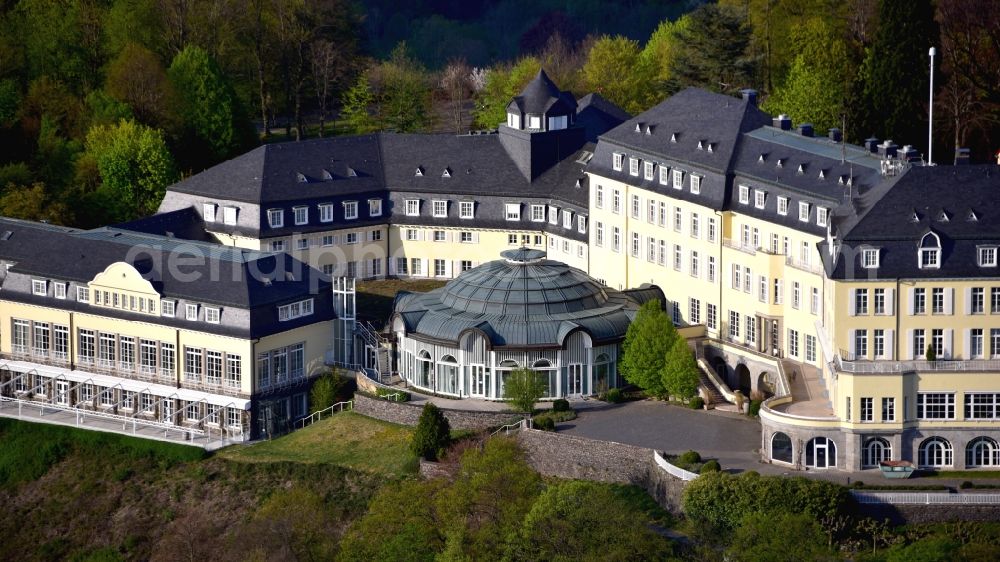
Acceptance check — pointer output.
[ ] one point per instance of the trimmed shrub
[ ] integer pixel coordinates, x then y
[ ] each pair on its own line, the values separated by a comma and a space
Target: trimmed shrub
754, 408
689, 458
697, 403
710, 466
544, 423
614, 396
560, 405
966, 485
432, 435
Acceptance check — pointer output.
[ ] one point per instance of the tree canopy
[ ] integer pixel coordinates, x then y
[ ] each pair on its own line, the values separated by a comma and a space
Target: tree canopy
644, 352
523, 387
680, 370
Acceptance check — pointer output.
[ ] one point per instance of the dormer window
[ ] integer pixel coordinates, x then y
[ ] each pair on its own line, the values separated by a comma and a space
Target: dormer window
822, 216
782, 205
535, 122
413, 207
276, 218
83, 294
39, 287
943, 216
419, 172
350, 210
759, 198
439, 208
208, 212
167, 307
633, 166
513, 211
567, 218
617, 160
678, 179
301, 215
803, 211
229, 215
325, 212
466, 209
514, 121
300, 177
211, 315
581, 224
695, 184
59, 290
664, 175
930, 251
781, 163
987, 256
971, 217
553, 215
446, 173
558, 122
538, 213
648, 169
190, 312
374, 207
744, 194
869, 258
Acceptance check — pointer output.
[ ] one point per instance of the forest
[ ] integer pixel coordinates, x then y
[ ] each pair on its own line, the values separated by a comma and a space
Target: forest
103, 103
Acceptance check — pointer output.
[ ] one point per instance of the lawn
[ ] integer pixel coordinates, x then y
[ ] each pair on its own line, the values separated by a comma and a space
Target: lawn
956, 474
345, 439
374, 298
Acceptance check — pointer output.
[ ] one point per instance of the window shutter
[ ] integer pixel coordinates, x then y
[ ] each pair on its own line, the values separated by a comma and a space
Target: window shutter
475, 237
425, 265
909, 344
890, 302
967, 344
447, 268
420, 235
909, 298
949, 337
391, 266
851, 347
968, 303
851, 296
475, 264
890, 345
456, 267
949, 300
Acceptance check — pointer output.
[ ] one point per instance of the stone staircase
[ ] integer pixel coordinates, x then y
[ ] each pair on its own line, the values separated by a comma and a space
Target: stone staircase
710, 391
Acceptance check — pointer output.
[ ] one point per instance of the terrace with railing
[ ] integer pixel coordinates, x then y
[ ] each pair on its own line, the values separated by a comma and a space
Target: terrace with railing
862, 367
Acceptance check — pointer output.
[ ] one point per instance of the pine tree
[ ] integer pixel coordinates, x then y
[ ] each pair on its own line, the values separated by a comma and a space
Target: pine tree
355, 104
644, 352
432, 435
713, 51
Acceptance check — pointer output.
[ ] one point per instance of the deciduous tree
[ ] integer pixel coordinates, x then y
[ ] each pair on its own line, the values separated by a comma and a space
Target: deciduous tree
644, 352
502, 84
680, 372
522, 388
616, 70
207, 103
137, 78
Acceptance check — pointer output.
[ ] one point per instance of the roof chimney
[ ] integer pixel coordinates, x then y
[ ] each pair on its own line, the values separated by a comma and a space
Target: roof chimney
806, 129
909, 154
887, 149
835, 135
782, 122
962, 157
871, 144
749, 96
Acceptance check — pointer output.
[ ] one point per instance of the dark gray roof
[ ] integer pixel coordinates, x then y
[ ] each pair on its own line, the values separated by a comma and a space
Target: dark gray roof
521, 300
597, 115
690, 117
958, 203
186, 269
186, 224
541, 96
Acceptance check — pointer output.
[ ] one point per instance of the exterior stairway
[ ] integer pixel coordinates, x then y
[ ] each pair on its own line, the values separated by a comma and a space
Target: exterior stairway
713, 395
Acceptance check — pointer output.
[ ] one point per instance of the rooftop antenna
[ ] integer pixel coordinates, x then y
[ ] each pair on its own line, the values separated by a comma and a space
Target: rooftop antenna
930, 114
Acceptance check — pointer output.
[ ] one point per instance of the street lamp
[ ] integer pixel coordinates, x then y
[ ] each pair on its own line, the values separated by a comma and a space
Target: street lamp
930, 114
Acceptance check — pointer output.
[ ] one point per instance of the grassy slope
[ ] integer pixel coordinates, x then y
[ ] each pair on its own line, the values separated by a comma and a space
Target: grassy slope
345, 439
67, 493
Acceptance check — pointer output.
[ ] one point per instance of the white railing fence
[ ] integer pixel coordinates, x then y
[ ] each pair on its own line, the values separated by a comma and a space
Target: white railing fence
924, 498
318, 415
943, 365
675, 471
513, 427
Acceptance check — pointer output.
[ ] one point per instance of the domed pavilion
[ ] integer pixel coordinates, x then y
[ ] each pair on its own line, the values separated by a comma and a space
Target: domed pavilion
523, 310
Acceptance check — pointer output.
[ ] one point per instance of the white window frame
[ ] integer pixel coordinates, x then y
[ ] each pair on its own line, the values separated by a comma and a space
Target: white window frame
59, 290
83, 294
168, 308
664, 175
537, 213
350, 210
208, 212
439, 208
695, 184
304, 212
276, 218
987, 256
649, 169
374, 207
412, 207
39, 287
822, 216
633, 166
466, 209
191, 312
617, 160
804, 211
759, 198
229, 215
512, 211
782, 205
870, 258
212, 315
678, 179
326, 212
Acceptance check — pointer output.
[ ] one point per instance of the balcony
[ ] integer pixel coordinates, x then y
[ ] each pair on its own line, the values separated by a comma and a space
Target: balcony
803, 266
942, 365
740, 246
43, 356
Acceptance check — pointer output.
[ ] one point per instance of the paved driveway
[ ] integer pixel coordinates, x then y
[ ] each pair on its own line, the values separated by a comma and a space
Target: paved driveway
730, 438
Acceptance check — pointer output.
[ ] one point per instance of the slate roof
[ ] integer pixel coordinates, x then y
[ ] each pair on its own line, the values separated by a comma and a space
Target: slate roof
522, 300
691, 116
185, 269
958, 203
542, 97
184, 223
597, 115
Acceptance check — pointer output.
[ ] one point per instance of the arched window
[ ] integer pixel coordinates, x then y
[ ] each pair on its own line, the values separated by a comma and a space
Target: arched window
447, 379
982, 451
781, 447
821, 452
875, 450
542, 364
547, 371
930, 251
425, 369
602, 373
503, 371
935, 452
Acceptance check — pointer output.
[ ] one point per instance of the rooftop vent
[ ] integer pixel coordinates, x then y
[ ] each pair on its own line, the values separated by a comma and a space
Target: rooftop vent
835, 135
822, 174
649, 130
962, 156
673, 137
6, 235
783, 122
871, 144
711, 147
943, 216
351, 173
887, 149
781, 163
327, 175
701, 145
523, 256
300, 177
762, 158
802, 169
638, 127
749, 95
446, 173
578, 184
419, 172
914, 216
806, 129
972, 216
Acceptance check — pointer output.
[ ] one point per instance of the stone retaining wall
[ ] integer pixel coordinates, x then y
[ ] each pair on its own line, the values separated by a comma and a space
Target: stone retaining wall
568, 456
917, 514
407, 413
